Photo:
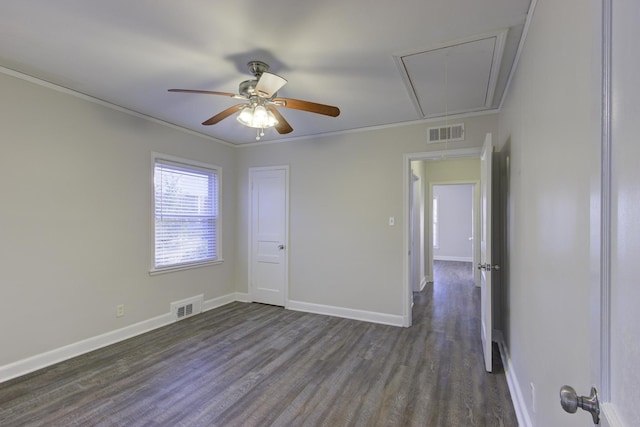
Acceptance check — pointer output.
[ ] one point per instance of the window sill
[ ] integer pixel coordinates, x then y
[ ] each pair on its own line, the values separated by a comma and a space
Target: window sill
157, 271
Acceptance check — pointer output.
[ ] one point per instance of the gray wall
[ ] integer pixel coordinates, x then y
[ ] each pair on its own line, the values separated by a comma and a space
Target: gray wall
548, 136
343, 189
75, 222
77, 205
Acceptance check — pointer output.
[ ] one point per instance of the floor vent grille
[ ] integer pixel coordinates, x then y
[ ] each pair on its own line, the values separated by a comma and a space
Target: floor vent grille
446, 133
187, 307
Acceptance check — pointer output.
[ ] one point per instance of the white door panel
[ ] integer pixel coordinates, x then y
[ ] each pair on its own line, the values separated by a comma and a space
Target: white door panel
616, 329
624, 327
485, 252
269, 217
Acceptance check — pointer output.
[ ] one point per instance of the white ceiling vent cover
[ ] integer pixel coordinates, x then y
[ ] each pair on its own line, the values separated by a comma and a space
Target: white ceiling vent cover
187, 307
446, 133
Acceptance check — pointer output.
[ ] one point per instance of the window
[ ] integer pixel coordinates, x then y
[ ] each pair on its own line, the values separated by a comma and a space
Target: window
186, 217
436, 235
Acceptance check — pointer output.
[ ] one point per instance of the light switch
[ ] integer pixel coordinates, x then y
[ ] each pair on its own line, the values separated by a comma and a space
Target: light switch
392, 221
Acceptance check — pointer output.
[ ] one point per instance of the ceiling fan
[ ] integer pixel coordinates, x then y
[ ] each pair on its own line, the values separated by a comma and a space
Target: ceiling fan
260, 111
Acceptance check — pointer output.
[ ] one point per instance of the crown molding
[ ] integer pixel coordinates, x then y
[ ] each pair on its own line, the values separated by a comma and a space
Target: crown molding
103, 103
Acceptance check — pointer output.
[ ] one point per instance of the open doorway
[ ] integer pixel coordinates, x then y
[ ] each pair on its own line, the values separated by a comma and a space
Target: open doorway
453, 230
458, 166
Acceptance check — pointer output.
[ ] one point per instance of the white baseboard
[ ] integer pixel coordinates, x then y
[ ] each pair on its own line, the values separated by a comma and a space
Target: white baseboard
609, 415
347, 313
242, 297
39, 361
210, 304
452, 258
524, 420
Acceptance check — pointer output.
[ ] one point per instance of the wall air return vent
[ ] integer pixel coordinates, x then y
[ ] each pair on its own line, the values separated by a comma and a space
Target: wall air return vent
187, 307
446, 133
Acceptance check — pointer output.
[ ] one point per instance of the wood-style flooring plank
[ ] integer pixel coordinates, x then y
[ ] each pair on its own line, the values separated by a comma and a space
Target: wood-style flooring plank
259, 365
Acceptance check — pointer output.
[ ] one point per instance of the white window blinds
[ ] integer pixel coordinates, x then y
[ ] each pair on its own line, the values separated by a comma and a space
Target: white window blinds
186, 214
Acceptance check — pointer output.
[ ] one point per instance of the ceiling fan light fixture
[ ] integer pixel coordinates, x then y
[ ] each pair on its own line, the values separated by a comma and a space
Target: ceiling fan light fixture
260, 117
256, 116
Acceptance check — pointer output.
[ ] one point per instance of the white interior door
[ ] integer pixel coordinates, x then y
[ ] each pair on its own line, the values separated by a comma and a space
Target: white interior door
620, 376
485, 265
268, 235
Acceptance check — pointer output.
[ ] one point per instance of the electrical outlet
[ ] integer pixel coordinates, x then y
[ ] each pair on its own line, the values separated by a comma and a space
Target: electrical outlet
533, 397
120, 310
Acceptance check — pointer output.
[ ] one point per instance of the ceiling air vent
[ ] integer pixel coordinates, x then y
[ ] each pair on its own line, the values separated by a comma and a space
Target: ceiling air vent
446, 133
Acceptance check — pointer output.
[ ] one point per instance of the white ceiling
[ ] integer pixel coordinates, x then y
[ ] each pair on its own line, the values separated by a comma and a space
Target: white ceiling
337, 52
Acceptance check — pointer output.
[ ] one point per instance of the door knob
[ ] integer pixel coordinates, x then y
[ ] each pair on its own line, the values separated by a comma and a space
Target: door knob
570, 402
281, 247
480, 266
493, 267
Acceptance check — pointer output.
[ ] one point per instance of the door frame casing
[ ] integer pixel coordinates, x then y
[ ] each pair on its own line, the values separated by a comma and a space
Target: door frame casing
407, 158
285, 289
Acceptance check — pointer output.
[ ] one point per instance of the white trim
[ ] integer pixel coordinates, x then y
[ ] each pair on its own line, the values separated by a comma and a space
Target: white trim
39, 361
496, 60
210, 304
67, 91
435, 225
524, 420
407, 158
242, 297
452, 258
157, 271
347, 313
609, 416
43, 360
523, 38
423, 283
85, 97
429, 120
604, 295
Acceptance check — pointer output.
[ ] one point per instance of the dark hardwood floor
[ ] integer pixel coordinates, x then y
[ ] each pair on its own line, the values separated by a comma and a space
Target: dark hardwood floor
259, 365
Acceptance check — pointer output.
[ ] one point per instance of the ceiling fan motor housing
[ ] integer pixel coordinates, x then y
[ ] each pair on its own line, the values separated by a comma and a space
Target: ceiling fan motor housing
248, 88
257, 68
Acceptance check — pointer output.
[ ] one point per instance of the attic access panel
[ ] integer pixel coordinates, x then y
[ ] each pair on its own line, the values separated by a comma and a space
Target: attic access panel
455, 78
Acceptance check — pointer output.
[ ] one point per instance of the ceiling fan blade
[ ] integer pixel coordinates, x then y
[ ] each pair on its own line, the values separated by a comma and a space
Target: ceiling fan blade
206, 92
223, 115
311, 107
283, 126
269, 84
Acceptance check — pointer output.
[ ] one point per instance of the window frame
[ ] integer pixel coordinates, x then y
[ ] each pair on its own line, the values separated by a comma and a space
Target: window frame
196, 166
435, 229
